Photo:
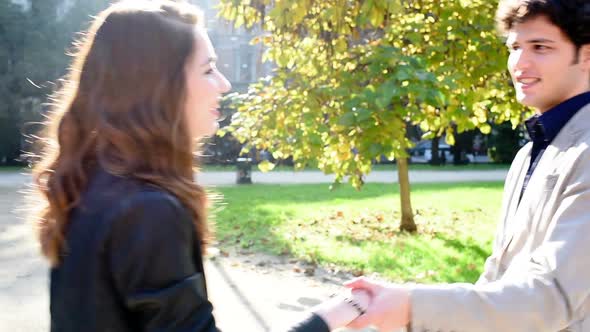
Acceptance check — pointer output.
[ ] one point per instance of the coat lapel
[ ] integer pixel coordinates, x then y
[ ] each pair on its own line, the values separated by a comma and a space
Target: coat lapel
512, 206
518, 218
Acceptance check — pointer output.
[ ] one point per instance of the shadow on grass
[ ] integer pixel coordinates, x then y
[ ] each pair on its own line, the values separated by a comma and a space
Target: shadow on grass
437, 259
415, 258
252, 229
268, 218
465, 245
418, 258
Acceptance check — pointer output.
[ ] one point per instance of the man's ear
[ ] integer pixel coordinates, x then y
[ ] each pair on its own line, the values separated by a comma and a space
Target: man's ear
585, 56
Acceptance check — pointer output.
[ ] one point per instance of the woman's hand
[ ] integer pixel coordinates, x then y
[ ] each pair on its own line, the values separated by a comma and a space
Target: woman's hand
343, 309
390, 306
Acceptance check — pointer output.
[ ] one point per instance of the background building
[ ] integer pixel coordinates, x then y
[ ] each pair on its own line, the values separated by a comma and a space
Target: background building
239, 61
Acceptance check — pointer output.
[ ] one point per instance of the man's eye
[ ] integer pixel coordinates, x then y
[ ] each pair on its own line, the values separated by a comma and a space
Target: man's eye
541, 48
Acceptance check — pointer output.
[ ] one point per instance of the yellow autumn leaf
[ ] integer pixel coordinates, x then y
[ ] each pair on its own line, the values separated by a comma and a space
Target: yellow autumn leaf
266, 166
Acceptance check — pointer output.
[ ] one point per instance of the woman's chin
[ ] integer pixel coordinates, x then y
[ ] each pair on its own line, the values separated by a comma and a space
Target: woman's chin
214, 128
207, 132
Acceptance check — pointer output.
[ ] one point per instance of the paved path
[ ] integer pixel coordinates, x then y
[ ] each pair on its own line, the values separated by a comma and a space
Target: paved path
229, 178
23, 277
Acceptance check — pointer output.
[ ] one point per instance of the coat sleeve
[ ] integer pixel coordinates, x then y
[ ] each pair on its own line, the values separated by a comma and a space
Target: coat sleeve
151, 257
548, 291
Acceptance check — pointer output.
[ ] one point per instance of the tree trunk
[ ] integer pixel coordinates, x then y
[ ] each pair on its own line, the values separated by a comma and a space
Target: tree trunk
407, 223
435, 158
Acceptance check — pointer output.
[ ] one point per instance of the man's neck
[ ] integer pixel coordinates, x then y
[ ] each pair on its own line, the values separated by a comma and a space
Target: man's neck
540, 111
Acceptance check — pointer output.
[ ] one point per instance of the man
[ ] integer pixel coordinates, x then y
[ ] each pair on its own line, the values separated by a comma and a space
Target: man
538, 276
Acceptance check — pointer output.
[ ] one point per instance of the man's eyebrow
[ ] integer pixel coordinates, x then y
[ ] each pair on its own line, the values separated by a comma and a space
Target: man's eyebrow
531, 41
540, 40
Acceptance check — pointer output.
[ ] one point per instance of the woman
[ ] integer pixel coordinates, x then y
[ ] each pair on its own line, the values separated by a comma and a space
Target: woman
123, 224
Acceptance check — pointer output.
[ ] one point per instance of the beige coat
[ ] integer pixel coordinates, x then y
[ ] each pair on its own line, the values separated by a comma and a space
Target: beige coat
538, 276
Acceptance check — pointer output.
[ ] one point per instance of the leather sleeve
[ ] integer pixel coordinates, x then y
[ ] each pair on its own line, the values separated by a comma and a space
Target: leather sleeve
311, 323
151, 259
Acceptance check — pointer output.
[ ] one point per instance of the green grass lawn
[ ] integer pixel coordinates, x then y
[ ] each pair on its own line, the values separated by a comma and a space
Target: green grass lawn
376, 167
358, 231
13, 169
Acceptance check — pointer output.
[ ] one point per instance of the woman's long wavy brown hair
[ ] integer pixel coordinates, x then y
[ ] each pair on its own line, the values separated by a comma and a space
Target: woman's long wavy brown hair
121, 108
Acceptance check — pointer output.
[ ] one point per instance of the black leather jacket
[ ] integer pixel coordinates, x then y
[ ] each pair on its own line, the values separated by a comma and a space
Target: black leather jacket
133, 263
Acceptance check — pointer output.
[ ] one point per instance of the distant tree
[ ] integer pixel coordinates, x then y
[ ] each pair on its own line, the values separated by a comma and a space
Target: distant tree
32, 60
504, 142
352, 75
13, 23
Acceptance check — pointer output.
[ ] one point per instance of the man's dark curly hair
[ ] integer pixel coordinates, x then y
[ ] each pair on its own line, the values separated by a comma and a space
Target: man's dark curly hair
571, 16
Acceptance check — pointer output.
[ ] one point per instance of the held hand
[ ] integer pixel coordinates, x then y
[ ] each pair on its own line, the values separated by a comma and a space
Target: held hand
389, 308
341, 310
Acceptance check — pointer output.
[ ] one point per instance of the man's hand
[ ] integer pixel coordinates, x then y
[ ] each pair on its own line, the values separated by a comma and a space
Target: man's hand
389, 308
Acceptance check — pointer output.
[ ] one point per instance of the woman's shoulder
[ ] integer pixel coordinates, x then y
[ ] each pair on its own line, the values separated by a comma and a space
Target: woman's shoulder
149, 199
117, 210
115, 196
142, 210
153, 211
